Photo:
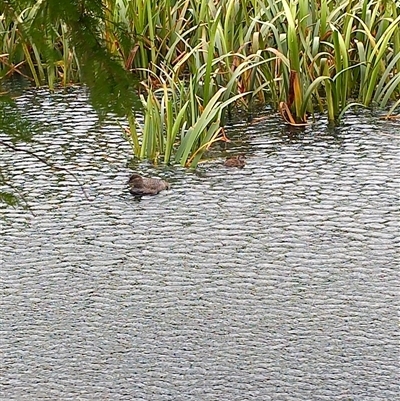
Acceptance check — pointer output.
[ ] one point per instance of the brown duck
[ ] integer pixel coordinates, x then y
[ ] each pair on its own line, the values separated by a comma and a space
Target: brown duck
140, 186
235, 161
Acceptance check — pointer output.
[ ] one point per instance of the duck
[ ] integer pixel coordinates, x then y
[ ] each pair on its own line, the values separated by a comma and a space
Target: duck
235, 161
139, 186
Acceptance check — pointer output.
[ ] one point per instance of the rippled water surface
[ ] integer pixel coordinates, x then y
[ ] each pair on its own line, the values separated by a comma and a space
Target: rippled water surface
275, 282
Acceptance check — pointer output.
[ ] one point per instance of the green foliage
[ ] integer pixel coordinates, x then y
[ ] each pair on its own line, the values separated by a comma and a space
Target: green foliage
8, 198
16, 127
57, 37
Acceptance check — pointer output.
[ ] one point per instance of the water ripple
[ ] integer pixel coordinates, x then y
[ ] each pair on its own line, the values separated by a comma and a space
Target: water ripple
275, 282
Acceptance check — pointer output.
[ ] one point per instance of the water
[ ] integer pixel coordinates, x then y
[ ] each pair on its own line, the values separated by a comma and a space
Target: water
275, 282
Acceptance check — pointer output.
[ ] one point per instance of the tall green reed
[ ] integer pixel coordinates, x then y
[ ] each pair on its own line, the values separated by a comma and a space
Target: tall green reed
197, 58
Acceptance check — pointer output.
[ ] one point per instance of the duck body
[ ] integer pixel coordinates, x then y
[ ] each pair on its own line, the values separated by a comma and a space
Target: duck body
140, 186
235, 161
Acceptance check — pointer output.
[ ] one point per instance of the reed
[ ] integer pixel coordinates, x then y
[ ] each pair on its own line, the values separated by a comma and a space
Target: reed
179, 125
195, 59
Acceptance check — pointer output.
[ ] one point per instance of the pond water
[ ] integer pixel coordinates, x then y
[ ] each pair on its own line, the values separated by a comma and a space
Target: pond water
279, 281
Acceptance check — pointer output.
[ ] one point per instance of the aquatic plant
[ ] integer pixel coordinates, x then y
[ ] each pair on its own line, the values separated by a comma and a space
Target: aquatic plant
196, 59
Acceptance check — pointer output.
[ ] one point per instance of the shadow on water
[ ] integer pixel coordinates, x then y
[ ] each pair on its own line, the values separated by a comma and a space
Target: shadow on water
278, 281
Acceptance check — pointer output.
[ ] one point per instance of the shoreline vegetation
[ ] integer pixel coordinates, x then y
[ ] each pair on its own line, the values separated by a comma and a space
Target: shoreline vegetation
187, 63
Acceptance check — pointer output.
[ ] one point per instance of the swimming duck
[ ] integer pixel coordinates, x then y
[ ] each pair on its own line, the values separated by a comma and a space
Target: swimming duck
235, 161
140, 186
